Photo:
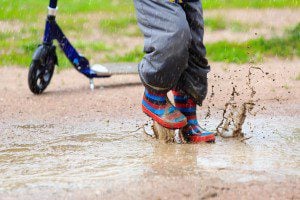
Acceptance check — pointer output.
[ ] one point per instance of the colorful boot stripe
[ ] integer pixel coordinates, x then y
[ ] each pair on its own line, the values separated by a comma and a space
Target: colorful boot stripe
158, 107
186, 106
157, 98
193, 131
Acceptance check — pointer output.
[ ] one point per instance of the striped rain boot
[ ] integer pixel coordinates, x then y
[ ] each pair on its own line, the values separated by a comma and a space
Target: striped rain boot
192, 132
158, 107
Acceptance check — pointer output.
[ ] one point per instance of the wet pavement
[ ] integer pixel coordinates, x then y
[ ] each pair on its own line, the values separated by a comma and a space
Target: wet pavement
79, 155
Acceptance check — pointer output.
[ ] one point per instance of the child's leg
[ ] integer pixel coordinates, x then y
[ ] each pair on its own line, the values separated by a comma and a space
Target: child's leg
167, 41
194, 79
193, 132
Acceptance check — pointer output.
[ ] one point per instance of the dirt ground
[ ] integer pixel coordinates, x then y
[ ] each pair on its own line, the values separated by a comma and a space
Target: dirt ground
265, 23
72, 143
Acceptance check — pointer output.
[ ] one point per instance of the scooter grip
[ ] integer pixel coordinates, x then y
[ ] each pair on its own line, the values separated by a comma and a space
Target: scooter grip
53, 4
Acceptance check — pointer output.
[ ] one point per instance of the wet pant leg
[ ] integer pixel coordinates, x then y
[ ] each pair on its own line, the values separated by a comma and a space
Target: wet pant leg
193, 80
167, 42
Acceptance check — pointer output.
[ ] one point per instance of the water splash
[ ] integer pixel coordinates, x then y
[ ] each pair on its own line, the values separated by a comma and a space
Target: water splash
234, 114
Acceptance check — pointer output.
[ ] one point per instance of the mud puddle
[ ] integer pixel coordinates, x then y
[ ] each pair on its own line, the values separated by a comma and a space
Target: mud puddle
58, 151
40, 156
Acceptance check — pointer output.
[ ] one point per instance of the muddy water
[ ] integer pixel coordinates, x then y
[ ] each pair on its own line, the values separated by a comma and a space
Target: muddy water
80, 155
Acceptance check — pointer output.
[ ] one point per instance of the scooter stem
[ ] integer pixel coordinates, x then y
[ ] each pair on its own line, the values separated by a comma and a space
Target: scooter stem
52, 9
53, 4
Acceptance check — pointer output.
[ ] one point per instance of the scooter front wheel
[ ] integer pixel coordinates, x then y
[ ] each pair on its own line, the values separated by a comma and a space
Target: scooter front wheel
42, 68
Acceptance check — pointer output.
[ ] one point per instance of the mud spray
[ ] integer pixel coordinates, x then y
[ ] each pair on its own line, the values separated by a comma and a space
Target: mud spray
155, 130
234, 114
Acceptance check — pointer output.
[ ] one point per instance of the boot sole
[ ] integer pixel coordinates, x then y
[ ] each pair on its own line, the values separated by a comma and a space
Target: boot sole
162, 122
199, 139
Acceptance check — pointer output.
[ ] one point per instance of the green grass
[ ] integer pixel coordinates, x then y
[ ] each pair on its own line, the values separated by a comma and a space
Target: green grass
72, 24
231, 52
17, 52
115, 25
215, 24
4, 36
212, 4
30, 9
94, 46
219, 23
133, 56
286, 86
117, 16
90, 49
236, 26
255, 50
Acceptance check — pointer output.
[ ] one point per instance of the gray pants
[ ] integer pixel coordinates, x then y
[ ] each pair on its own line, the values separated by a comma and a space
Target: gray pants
174, 50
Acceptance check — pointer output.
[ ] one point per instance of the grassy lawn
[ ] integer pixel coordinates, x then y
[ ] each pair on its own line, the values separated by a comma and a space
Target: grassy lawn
250, 51
112, 17
212, 4
254, 50
18, 9
219, 23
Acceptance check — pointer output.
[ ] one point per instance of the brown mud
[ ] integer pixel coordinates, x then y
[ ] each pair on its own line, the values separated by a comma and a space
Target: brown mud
71, 143
162, 134
234, 115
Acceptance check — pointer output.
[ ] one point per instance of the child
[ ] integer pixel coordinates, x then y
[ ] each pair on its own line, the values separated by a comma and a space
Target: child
174, 60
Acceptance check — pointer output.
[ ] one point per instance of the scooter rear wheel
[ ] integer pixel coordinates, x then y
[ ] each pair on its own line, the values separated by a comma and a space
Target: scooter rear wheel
41, 69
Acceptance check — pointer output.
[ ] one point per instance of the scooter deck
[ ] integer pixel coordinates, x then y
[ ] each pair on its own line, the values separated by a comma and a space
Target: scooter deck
114, 69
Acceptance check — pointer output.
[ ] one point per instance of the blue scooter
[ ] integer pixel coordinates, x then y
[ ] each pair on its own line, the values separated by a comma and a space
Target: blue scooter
45, 58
